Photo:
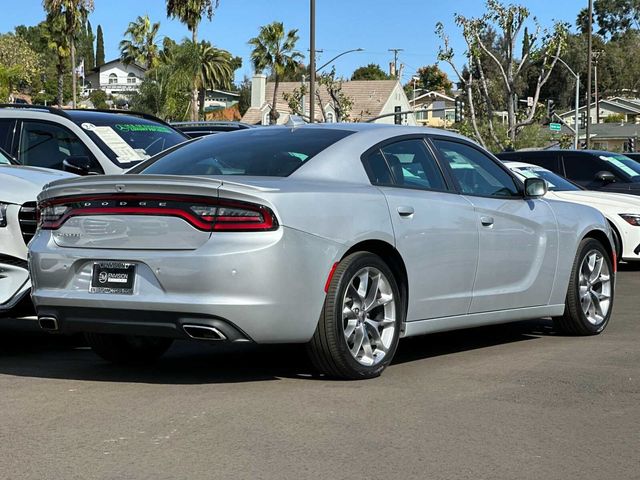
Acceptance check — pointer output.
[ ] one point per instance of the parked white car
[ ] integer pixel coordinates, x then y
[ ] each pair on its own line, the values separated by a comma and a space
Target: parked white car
622, 210
19, 187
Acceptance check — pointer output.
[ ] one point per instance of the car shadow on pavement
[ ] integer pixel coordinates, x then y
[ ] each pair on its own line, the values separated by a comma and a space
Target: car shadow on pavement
186, 363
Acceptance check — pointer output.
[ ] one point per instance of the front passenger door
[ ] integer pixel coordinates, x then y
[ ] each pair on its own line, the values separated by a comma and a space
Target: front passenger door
518, 237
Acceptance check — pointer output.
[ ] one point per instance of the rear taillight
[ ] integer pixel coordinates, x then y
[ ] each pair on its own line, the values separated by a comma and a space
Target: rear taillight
207, 214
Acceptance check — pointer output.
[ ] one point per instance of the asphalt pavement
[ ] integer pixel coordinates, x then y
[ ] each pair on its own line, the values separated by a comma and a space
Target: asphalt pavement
504, 402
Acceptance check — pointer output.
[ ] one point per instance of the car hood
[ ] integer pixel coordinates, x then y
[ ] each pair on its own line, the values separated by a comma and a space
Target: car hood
620, 202
20, 184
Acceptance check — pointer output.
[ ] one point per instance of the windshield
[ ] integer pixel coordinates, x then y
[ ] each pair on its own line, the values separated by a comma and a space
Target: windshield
272, 152
555, 182
127, 141
627, 167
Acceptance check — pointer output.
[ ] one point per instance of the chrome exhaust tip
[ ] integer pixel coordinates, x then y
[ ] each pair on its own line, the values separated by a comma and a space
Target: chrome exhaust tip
202, 332
48, 323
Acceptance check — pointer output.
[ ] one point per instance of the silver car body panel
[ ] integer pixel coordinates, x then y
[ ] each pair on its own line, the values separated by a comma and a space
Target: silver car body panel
271, 284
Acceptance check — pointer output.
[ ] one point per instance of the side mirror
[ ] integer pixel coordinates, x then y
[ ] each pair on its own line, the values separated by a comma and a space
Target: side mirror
535, 188
605, 177
78, 164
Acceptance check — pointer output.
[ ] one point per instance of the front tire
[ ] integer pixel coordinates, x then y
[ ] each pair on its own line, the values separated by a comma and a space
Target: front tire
359, 327
127, 349
589, 300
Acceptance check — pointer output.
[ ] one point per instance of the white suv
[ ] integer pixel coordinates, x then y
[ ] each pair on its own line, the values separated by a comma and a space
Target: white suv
83, 141
19, 187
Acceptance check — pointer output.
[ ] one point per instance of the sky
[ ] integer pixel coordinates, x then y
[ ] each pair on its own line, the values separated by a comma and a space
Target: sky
373, 25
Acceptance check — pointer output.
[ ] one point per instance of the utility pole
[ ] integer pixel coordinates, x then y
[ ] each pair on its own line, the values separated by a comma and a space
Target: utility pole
596, 58
396, 51
312, 62
589, 60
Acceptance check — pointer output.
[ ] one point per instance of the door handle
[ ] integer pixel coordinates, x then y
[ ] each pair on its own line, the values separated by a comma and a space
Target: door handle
405, 211
486, 221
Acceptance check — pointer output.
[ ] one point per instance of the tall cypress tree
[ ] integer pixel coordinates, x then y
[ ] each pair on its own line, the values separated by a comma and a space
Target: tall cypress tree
99, 47
90, 59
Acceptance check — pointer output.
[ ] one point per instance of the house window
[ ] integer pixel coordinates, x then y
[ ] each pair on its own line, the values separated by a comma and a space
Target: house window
131, 78
113, 78
330, 117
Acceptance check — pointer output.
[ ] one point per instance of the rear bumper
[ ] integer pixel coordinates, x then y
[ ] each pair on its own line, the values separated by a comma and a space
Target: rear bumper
14, 284
135, 322
267, 285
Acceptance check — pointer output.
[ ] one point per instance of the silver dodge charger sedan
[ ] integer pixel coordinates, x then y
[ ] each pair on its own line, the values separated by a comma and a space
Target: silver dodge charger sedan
345, 237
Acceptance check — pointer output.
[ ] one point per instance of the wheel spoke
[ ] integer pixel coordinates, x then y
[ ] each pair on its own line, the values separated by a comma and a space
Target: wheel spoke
381, 301
350, 328
364, 284
354, 295
597, 269
367, 350
357, 342
375, 338
372, 296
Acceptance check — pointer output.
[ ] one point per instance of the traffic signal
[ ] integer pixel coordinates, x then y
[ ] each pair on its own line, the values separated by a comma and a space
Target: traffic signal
459, 115
551, 109
583, 120
631, 144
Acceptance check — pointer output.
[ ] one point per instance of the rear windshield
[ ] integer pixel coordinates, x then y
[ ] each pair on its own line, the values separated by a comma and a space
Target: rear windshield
130, 140
268, 152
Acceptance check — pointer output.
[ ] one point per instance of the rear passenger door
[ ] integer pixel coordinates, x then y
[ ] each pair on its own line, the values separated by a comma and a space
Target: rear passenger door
435, 229
583, 168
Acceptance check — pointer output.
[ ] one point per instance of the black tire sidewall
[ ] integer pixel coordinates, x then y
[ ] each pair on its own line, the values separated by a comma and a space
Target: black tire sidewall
338, 289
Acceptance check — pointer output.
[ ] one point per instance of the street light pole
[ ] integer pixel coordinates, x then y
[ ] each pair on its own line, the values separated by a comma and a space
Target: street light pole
312, 62
338, 56
589, 60
577, 75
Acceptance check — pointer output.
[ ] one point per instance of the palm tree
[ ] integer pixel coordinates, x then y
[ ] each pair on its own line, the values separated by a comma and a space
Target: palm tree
74, 15
190, 12
210, 66
274, 50
58, 42
141, 46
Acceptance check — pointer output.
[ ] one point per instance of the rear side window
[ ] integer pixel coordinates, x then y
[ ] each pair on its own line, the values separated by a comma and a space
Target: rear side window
407, 164
48, 145
270, 152
550, 161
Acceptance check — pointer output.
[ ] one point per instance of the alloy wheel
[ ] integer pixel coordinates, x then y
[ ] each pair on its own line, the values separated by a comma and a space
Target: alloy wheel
594, 287
369, 316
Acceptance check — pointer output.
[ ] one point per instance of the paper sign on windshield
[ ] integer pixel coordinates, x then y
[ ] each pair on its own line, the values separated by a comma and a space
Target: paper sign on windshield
625, 168
124, 152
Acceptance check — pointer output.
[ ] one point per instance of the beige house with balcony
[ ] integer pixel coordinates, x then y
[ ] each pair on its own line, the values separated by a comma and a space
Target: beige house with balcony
115, 78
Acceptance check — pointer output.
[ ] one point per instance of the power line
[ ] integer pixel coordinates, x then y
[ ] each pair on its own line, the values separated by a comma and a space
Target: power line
395, 51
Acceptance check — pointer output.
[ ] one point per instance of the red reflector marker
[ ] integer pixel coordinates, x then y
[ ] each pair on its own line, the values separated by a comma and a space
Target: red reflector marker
330, 277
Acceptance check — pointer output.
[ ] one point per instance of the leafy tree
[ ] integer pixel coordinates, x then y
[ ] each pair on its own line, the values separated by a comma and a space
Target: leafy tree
370, 72
190, 12
58, 42
538, 53
73, 14
141, 46
613, 17
90, 56
99, 47
244, 89
273, 49
21, 63
99, 99
431, 78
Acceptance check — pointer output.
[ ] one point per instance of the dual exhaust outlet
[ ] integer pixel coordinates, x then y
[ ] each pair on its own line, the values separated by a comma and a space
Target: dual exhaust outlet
197, 332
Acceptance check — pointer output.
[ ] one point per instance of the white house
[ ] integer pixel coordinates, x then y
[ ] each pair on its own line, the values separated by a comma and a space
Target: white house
116, 78
371, 99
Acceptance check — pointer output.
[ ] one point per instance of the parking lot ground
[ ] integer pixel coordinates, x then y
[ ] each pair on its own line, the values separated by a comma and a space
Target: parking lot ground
503, 402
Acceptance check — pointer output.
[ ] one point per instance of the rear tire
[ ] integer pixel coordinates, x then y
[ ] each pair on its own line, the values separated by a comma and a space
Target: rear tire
126, 349
359, 327
589, 300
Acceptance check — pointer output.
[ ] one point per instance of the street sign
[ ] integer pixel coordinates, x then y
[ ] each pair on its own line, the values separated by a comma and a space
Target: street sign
529, 101
555, 127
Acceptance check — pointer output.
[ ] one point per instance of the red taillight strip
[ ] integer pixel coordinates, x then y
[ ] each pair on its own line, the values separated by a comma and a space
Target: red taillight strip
209, 223
164, 212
